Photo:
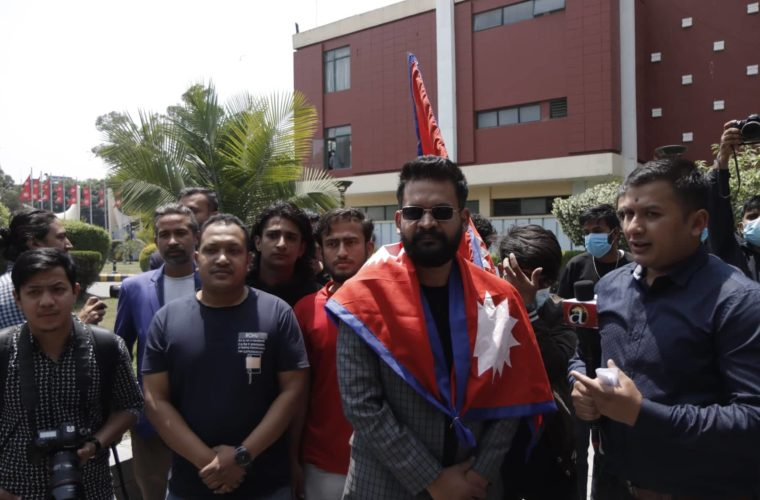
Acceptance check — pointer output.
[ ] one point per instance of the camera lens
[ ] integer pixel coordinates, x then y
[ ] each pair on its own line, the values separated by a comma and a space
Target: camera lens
751, 131
66, 478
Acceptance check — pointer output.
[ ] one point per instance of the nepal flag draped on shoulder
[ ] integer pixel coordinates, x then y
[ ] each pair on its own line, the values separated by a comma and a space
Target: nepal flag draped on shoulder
497, 371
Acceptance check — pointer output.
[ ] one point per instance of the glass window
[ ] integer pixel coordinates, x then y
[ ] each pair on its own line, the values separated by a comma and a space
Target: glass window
484, 20
558, 108
533, 206
508, 116
338, 69
523, 206
545, 6
473, 205
376, 213
338, 147
518, 12
530, 113
488, 119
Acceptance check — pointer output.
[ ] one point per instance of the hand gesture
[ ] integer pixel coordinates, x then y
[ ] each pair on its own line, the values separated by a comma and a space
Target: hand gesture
458, 482
222, 474
526, 287
621, 403
731, 138
93, 311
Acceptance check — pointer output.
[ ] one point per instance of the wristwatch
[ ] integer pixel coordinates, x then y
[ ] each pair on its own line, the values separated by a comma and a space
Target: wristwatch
242, 457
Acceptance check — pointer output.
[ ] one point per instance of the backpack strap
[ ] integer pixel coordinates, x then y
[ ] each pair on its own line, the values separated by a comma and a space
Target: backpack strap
107, 355
5, 346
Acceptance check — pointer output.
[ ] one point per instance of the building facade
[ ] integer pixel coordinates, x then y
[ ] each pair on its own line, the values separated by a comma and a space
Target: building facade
547, 96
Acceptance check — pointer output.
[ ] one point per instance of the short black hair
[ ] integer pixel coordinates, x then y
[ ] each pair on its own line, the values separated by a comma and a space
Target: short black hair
533, 246
344, 215
752, 203
689, 185
211, 199
25, 225
40, 260
226, 220
297, 216
485, 228
605, 212
435, 168
174, 209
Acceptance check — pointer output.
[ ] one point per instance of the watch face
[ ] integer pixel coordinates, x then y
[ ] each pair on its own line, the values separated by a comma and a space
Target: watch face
242, 457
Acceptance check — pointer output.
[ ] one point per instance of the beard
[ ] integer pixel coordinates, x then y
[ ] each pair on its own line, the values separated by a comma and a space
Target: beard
434, 251
177, 259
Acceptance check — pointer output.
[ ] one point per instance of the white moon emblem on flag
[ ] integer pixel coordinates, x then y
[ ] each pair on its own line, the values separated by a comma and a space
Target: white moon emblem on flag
494, 339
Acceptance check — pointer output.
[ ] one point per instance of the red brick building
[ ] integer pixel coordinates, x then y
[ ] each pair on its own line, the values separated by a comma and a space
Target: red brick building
548, 96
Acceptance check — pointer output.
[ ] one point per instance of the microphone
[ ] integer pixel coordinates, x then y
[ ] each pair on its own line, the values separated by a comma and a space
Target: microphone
581, 314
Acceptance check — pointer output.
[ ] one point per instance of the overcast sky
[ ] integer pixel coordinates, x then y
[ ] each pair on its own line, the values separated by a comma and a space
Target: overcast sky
63, 64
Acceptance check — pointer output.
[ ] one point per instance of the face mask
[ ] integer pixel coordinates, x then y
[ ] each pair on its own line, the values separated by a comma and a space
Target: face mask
751, 232
704, 235
597, 244
541, 297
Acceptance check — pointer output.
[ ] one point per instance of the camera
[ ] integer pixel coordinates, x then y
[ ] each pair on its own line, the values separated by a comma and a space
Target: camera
750, 129
60, 446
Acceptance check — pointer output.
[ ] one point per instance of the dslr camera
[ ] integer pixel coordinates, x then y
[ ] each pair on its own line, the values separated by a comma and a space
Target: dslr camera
60, 447
750, 129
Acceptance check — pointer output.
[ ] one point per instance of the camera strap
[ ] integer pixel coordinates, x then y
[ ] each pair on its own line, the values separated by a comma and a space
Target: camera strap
28, 385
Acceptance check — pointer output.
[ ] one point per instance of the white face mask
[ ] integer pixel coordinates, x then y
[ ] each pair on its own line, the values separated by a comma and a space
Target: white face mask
542, 296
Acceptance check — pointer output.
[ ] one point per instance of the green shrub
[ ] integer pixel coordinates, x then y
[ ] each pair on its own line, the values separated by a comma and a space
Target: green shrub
88, 237
145, 256
568, 210
88, 264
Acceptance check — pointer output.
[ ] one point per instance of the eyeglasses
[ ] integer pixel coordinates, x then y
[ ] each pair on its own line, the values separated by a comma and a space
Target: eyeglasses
439, 212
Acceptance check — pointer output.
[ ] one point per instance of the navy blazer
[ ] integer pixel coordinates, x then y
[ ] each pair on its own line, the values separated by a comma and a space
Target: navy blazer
140, 298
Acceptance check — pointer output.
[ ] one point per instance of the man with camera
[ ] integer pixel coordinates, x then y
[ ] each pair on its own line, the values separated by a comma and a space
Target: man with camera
740, 250
67, 390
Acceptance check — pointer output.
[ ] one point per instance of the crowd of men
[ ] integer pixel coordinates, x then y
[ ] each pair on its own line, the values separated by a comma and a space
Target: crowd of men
412, 372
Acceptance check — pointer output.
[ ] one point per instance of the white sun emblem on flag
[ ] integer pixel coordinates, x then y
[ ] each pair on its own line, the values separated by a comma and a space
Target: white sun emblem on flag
494, 339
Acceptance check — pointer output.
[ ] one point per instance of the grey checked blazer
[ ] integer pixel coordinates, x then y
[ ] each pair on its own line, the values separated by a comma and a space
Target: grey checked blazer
397, 445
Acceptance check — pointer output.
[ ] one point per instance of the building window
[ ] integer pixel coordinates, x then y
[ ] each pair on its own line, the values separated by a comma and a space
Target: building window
686, 22
656, 112
719, 45
523, 206
753, 8
338, 69
515, 13
719, 105
558, 108
752, 69
509, 116
338, 147
380, 212
686, 80
687, 137
655, 57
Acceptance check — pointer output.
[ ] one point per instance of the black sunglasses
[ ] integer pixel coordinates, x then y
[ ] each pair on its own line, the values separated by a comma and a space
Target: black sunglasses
439, 212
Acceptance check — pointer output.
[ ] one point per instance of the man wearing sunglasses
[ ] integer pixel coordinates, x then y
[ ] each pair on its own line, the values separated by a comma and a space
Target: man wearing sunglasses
436, 356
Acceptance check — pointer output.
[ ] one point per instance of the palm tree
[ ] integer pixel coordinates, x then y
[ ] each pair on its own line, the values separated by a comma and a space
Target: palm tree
250, 152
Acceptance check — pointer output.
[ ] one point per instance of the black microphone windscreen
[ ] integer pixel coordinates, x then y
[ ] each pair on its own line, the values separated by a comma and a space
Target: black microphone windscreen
584, 290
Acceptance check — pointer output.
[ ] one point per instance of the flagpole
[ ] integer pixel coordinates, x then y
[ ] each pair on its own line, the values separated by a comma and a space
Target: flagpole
90, 204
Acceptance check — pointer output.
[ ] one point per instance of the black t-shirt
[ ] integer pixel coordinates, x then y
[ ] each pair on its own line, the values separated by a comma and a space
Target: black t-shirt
581, 267
438, 301
290, 292
209, 385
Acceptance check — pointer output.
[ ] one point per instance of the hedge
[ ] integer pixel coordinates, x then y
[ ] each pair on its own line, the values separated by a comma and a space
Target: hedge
145, 256
88, 265
88, 237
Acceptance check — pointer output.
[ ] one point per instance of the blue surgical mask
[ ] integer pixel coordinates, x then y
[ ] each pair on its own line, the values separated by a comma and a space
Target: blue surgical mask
703, 237
598, 244
542, 296
751, 232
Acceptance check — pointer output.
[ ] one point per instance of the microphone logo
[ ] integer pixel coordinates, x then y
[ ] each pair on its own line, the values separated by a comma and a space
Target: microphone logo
578, 315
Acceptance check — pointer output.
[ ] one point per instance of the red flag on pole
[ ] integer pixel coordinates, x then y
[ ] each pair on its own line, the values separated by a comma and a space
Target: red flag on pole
26, 190
429, 139
86, 196
46, 189
36, 192
58, 193
101, 198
